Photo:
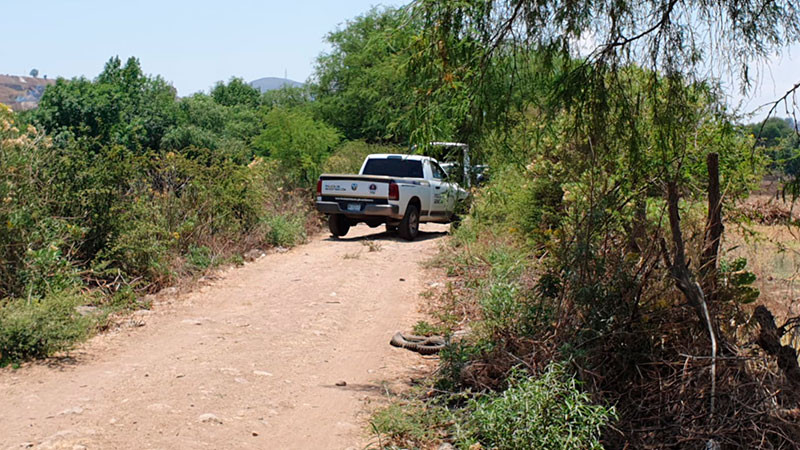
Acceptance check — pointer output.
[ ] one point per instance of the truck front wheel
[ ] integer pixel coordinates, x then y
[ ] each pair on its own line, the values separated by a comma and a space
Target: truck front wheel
338, 224
409, 226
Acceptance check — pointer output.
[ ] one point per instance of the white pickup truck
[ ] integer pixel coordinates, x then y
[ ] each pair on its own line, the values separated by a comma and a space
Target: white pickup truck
400, 191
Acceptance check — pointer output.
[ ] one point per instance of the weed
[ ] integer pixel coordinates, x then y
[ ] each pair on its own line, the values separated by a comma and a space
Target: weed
545, 412
373, 246
41, 327
423, 328
236, 260
199, 258
284, 231
411, 423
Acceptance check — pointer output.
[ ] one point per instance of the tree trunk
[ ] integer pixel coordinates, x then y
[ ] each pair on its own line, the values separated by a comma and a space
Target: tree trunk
714, 229
684, 279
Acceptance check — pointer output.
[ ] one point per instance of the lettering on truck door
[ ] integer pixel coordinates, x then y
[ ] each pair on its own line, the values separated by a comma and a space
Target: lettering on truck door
439, 190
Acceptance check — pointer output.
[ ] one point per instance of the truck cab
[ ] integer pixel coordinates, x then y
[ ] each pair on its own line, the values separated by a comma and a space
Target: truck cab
396, 190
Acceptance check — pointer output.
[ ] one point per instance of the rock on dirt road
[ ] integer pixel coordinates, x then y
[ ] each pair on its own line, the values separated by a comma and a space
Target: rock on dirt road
280, 353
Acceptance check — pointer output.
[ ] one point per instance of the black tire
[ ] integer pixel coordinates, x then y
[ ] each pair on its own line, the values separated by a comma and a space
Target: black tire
409, 226
338, 224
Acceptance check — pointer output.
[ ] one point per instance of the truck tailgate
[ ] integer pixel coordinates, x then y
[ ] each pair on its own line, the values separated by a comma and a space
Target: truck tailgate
354, 186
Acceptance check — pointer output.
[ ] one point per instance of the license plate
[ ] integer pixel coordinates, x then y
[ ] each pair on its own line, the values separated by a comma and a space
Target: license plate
354, 207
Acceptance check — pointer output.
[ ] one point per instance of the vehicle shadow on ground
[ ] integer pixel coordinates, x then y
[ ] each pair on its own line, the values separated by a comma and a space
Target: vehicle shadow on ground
387, 236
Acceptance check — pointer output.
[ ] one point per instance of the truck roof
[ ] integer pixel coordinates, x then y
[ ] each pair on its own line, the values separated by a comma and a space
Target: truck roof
399, 155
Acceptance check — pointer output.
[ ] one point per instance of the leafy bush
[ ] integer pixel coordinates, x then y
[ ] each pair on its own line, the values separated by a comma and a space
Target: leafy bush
36, 246
300, 143
199, 257
411, 423
544, 412
138, 244
285, 231
736, 281
541, 208
40, 327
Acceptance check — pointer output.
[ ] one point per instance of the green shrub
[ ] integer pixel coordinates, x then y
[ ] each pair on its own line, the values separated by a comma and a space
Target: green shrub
40, 327
285, 231
544, 412
423, 328
139, 246
199, 257
500, 307
736, 281
35, 245
300, 143
411, 423
540, 209
125, 299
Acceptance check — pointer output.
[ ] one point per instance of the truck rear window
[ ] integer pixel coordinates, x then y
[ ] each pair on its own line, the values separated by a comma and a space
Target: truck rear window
401, 168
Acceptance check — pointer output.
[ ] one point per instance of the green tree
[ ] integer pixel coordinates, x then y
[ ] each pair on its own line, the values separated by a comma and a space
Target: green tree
287, 97
236, 92
300, 143
770, 132
122, 106
358, 86
203, 123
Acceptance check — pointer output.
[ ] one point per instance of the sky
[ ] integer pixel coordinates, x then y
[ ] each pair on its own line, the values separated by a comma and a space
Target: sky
194, 44
773, 78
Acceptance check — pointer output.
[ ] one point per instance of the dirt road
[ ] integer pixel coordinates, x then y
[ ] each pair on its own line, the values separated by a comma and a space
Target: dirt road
251, 360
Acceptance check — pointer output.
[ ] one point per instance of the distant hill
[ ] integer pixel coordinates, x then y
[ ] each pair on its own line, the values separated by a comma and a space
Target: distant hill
21, 93
271, 83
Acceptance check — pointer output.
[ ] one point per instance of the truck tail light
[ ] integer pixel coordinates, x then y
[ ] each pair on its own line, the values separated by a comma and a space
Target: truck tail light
394, 191
319, 187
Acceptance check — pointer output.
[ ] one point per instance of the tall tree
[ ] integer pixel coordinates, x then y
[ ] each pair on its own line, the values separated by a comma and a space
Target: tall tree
359, 85
122, 106
299, 142
236, 92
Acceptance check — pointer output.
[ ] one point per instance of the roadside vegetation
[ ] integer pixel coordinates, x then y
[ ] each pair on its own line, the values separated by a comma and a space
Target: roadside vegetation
603, 284
115, 187
595, 275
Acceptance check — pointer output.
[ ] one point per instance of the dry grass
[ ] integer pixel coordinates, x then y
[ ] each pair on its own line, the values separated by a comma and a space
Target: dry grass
772, 248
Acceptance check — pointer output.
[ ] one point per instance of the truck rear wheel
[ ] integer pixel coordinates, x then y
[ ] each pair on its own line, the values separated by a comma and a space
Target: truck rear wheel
409, 226
338, 224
